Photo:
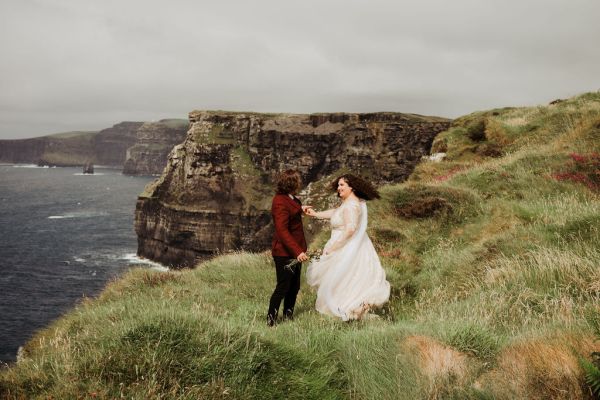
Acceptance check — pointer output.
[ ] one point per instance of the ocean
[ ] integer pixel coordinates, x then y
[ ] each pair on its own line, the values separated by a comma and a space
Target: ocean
63, 236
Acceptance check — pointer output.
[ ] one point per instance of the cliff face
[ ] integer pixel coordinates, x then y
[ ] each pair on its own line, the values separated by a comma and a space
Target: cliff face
110, 145
64, 152
68, 149
215, 193
140, 148
22, 151
153, 142
107, 147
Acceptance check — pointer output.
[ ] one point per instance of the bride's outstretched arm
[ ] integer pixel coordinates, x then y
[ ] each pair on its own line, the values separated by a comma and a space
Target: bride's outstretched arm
351, 217
320, 214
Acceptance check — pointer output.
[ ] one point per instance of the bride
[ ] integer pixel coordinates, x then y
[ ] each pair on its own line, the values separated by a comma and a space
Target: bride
348, 276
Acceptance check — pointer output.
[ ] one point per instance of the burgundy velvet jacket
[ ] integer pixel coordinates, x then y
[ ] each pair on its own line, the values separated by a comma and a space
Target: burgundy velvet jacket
288, 239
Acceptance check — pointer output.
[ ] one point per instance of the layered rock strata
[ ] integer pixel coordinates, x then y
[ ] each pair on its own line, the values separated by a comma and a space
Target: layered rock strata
215, 192
153, 142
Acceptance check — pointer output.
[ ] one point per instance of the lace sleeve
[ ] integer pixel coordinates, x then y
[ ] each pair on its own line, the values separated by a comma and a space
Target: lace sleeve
324, 214
351, 217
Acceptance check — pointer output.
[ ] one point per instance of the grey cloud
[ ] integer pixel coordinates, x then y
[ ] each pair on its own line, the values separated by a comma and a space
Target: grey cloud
88, 64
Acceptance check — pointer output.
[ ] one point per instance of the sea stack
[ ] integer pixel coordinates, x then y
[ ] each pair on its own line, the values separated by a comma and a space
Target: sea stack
88, 168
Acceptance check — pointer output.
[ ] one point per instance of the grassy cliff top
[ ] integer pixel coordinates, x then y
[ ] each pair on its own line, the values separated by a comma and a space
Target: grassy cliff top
493, 258
72, 134
407, 116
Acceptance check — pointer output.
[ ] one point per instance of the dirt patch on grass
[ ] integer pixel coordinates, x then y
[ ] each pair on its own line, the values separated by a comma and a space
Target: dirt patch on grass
540, 369
421, 201
442, 366
424, 207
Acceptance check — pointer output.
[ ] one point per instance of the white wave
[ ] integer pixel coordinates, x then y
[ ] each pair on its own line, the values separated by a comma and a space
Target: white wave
94, 174
81, 214
135, 259
29, 166
79, 259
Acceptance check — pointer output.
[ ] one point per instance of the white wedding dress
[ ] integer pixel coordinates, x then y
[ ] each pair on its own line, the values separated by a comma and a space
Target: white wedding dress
350, 279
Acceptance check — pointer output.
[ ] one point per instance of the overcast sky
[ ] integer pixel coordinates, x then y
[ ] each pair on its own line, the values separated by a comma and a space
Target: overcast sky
88, 64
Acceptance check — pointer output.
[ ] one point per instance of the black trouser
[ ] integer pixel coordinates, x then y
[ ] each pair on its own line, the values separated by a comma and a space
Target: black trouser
288, 285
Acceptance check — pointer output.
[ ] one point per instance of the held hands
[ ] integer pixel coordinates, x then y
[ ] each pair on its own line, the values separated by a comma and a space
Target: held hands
309, 210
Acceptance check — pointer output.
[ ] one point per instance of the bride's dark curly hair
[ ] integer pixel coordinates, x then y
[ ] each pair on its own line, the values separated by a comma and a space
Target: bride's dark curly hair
361, 187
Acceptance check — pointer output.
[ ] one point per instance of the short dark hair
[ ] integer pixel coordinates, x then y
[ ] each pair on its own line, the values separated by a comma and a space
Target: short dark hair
288, 182
360, 186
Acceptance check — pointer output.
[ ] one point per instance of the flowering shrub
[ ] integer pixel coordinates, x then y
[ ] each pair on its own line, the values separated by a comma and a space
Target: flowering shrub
584, 169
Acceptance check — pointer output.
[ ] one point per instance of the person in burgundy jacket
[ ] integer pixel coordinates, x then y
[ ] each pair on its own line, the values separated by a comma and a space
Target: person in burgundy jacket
289, 244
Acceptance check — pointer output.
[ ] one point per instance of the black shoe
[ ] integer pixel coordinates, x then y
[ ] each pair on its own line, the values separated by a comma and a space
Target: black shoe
289, 315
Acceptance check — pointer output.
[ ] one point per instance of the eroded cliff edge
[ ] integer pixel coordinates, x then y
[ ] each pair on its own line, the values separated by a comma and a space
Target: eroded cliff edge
215, 192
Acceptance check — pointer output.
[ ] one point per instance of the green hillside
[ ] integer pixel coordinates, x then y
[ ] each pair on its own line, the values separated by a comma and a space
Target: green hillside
494, 263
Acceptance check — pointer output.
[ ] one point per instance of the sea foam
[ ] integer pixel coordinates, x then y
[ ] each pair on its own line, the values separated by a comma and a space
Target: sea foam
29, 166
82, 214
133, 258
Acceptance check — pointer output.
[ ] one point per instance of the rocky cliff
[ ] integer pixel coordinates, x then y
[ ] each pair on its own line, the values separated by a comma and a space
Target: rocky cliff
139, 148
215, 193
110, 145
106, 147
23, 151
153, 142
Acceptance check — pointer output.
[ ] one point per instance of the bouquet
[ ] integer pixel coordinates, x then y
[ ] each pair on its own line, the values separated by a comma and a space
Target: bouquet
313, 255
